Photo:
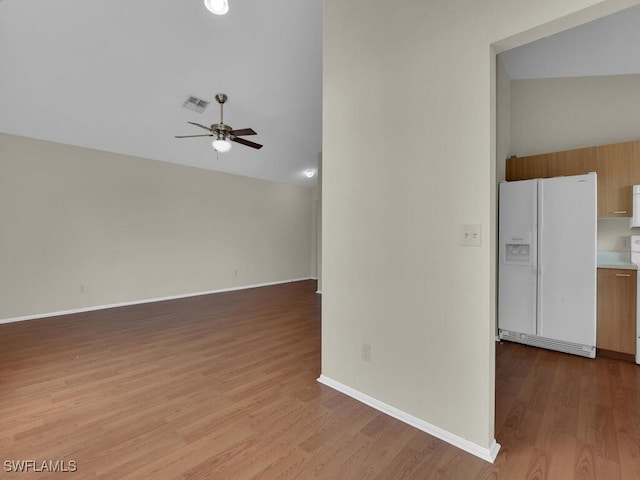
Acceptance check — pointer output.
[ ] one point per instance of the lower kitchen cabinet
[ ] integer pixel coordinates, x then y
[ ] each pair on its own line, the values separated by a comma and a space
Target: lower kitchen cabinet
616, 310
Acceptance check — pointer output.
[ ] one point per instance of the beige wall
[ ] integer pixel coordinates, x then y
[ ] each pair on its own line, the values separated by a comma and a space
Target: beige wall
409, 157
503, 117
83, 228
318, 224
553, 114
503, 145
564, 113
313, 232
613, 234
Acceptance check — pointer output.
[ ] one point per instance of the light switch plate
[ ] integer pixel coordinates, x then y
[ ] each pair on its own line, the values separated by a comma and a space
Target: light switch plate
471, 235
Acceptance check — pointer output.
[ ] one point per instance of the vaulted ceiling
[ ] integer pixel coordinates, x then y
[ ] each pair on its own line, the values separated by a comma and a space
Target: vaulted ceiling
607, 46
113, 76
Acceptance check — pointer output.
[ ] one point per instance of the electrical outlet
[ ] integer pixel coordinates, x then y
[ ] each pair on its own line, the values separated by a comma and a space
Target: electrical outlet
366, 352
625, 242
471, 235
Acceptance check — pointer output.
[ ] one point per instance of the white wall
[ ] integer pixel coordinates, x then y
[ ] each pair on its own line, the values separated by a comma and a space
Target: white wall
83, 228
564, 113
409, 157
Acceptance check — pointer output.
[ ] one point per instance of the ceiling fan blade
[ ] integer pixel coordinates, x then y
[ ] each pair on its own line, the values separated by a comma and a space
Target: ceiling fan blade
243, 131
199, 125
246, 142
189, 136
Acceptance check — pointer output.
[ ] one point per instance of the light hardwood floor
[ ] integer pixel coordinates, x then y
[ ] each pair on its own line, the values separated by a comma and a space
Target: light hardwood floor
224, 387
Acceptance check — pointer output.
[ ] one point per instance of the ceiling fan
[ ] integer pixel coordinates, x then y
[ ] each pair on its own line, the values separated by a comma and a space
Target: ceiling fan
224, 133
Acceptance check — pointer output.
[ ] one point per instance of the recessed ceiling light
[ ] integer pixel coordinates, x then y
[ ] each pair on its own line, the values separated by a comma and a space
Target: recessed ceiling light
219, 7
309, 173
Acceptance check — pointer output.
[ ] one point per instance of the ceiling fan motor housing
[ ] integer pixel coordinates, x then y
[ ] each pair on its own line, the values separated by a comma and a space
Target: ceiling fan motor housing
221, 127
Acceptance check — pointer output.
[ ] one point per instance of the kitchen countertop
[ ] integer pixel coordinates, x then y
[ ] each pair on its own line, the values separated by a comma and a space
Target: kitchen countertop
615, 260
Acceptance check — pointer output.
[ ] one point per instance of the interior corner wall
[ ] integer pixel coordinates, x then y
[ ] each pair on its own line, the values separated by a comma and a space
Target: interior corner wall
82, 228
503, 133
318, 219
564, 113
408, 158
314, 234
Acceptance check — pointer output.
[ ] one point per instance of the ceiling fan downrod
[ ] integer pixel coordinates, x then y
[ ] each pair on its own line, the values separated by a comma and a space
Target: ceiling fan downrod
221, 98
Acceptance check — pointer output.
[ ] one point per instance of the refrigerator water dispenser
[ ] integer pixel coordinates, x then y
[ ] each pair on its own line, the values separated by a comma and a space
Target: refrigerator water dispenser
517, 247
517, 253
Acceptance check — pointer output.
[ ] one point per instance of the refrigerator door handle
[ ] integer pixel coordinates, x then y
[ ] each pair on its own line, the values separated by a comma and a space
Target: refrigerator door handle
540, 260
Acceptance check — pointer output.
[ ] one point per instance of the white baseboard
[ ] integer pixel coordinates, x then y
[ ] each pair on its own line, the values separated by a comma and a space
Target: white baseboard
487, 454
148, 300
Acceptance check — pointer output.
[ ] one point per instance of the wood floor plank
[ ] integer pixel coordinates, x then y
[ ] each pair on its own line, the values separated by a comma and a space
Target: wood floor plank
628, 435
538, 468
388, 438
224, 387
562, 453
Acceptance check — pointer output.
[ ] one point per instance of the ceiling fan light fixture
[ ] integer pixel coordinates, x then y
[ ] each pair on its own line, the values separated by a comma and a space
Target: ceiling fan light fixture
217, 7
221, 145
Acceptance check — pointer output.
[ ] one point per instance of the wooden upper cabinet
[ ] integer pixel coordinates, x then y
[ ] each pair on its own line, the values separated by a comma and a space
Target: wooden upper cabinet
617, 166
635, 164
572, 162
556, 164
614, 167
526, 168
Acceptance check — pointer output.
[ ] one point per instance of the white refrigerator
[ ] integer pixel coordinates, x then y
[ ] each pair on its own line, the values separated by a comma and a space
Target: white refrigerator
547, 263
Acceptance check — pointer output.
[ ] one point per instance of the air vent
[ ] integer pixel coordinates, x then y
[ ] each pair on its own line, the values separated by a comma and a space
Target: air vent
196, 104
